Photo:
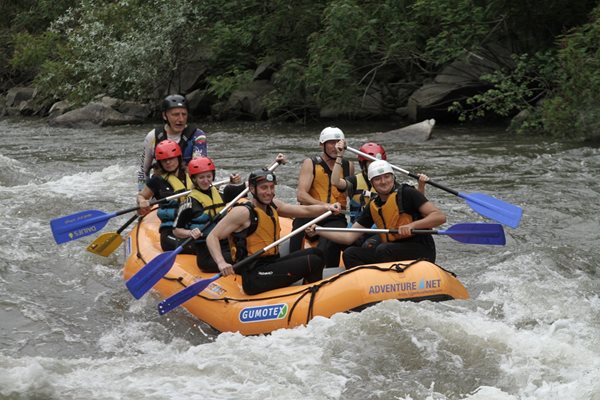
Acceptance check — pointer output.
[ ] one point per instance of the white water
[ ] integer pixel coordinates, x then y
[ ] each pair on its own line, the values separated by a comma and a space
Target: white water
70, 330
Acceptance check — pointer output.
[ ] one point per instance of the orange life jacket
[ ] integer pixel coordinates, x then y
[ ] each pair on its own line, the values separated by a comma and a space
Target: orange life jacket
390, 215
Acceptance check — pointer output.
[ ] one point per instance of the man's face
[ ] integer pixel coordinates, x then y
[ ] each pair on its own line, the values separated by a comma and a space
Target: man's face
265, 192
176, 118
383, 184
329, 148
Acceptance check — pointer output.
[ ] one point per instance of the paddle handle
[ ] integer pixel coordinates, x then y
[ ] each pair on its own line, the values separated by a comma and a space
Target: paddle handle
281, 240
402, 170
154, 202
224, 210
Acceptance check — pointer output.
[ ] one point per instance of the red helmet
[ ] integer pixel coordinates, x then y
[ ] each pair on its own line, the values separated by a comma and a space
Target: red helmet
374, 149
166, 149
199, 165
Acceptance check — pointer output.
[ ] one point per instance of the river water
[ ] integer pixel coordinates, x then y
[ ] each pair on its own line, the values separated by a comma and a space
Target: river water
70, 329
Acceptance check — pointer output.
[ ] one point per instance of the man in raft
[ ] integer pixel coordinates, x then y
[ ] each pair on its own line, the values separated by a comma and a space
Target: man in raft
252, 225
398, 206
316, 187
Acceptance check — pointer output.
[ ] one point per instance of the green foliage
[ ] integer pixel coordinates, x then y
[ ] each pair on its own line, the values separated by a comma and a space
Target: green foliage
324, 53
572, 110
126, 49
31, 51
514, 89
223, 85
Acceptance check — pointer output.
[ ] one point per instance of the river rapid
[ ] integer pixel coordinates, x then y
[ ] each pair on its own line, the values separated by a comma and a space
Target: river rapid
69, 329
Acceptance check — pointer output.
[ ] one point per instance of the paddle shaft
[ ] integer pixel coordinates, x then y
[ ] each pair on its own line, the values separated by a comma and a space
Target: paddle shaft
189, 292
466, 232
402, 170
281, 240
224, 210
372, 230
126, 224
152, 272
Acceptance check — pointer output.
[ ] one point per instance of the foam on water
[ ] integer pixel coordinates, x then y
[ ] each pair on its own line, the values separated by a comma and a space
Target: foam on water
70, 329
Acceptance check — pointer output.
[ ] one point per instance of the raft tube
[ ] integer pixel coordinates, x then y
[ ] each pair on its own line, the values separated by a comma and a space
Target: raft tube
224, 305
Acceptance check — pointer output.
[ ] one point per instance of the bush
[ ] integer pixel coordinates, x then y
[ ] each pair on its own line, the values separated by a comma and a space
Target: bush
572, 110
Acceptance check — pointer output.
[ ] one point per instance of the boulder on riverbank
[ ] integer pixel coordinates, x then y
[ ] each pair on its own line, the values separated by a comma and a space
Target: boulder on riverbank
107, 112
415, 133
457, 81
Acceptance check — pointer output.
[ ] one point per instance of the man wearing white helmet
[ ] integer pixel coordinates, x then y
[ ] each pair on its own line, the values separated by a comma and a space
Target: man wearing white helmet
315, 187
396, 206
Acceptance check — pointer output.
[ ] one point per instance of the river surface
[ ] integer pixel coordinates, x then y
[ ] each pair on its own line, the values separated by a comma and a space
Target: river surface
70, 329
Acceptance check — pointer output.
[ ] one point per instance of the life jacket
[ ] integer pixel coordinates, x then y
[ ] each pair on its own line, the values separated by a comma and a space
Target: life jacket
167, 212
264, 229
186, 143
390, 215
212, 204
360, 196
322, 189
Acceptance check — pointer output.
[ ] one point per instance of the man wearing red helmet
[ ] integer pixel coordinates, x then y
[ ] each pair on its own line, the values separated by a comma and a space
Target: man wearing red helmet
191, 140
200, 209
169, 177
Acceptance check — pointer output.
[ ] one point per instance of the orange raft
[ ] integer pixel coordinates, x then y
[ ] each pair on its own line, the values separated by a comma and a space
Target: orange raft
224, 306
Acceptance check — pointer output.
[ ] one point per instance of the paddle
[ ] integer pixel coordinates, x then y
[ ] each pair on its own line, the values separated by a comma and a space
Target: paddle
471, 233
105, 244
84, 223
488, 206
152, 272
189, 292
108, 242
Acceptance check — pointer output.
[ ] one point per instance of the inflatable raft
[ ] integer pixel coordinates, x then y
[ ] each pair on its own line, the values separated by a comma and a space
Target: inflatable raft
224, 306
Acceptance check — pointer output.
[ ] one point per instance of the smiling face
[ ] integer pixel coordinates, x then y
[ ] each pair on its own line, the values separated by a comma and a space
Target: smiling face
176, 118
170, 164
383, 184
204, 180
264, 192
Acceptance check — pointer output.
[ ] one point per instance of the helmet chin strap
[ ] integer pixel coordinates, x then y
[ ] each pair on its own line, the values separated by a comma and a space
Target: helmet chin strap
328, 156
257, 198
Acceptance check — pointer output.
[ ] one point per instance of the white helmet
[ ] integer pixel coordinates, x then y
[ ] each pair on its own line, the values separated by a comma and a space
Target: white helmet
331, 133
379, 167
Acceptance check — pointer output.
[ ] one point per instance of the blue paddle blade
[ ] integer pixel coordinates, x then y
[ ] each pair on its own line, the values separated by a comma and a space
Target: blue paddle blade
184, 295
490, 207
151, 273
75, 226
476, 233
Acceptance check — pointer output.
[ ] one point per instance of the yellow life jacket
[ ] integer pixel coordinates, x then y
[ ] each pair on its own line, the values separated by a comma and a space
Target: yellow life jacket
322, 189
264, 229
212, 204
389, 215
177, 185
362, 192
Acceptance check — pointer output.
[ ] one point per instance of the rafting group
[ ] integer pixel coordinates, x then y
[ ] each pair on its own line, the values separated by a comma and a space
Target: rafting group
242, 260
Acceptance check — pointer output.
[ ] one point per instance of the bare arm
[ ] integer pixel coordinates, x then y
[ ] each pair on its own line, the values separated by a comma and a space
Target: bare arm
143, 200
422, 181
305, 180
236, 220
302, 211
432, 217
346, 238
337, 174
